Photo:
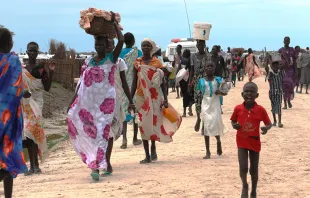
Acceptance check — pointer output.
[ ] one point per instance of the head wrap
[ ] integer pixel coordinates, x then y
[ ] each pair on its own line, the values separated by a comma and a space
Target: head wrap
154, 46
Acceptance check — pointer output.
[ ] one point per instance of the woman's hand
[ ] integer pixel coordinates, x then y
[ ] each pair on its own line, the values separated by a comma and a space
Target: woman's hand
27, 94
165, 104
52, 65
113, 17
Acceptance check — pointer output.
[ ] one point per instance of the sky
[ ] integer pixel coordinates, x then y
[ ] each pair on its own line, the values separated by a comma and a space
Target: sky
235, 23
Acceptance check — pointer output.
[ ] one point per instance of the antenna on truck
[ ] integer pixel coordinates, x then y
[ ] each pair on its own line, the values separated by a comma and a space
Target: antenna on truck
189, 27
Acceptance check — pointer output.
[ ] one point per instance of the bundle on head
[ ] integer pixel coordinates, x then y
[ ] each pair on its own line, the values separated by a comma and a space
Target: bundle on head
99, 22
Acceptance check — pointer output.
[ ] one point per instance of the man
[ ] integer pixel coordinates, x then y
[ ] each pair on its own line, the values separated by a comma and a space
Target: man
177, 66
228, 56
219, 62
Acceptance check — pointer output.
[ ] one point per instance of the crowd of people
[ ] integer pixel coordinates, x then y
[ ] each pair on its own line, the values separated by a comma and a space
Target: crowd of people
127, 86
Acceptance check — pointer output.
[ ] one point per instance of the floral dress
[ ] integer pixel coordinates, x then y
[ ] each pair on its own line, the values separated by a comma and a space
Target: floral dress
154, 123
11, 119
198, 61
91, 115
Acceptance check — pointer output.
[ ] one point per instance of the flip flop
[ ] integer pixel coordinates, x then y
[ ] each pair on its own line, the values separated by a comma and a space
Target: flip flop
95, 175
106, 174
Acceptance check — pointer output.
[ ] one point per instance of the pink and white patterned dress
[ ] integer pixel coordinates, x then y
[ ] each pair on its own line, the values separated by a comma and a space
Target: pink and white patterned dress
91, 114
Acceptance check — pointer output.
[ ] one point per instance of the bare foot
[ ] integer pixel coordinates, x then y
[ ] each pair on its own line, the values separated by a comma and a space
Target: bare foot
190, 113
208, 156
245, 192
184, 115
124, 145
137, 142
145, 161
280, 125
197, 126
219, 149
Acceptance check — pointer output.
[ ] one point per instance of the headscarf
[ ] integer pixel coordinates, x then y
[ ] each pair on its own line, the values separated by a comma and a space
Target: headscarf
154, 46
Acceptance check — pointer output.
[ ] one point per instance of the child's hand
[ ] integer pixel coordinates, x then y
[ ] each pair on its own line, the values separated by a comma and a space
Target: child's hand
264, 129
132, 107
236, 126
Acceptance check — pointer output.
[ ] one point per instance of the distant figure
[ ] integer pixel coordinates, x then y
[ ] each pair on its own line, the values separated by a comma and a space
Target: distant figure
298, 51
251, 67
305, 71
188, 99
176, 65
289, 62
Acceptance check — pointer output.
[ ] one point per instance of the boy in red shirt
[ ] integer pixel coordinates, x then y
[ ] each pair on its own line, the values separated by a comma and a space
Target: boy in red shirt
246, 119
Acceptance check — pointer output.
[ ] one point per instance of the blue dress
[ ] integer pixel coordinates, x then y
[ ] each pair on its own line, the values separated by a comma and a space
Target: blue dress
11, 115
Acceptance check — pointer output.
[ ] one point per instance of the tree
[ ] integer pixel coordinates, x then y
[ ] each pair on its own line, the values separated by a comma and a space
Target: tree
2, 26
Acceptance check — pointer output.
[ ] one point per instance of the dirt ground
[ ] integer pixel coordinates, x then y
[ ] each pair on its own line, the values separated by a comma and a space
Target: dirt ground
181, 171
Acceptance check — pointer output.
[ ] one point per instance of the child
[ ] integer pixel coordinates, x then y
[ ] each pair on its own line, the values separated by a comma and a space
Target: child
275, 78
234, 70
246, 119
210, 108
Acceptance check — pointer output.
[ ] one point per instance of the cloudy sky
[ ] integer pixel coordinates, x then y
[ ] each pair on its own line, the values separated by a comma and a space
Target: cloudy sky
236, 23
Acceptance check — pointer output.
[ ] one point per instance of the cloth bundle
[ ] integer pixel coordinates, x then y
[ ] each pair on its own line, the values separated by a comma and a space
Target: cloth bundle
87, 16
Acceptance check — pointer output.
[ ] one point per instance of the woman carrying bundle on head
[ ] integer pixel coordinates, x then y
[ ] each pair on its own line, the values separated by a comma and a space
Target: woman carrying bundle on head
158, 121
92, 124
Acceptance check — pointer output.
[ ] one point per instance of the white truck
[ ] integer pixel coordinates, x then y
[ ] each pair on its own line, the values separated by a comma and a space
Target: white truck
187, 43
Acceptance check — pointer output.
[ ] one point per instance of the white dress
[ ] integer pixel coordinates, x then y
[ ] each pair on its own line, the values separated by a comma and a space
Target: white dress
211, 111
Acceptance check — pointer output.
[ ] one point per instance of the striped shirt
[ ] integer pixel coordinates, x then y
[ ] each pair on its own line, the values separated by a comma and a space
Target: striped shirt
276, 82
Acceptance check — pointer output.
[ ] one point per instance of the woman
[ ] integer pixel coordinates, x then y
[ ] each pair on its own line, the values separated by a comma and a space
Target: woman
92, 124
36, 79
197, 71
12, 160
147, 81
187, 98
251, 67
129, 54
289, 63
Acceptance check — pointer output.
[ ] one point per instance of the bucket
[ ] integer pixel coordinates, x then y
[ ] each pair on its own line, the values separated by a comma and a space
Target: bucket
201, 31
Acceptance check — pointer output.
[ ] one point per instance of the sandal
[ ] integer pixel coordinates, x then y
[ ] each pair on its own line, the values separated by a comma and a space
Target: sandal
95, 175
37, 171
106, 174
154, 157
190, 114
28, 173
280, 125
145, 161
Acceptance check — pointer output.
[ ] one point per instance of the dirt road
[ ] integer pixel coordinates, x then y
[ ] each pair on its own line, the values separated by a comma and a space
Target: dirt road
181, 171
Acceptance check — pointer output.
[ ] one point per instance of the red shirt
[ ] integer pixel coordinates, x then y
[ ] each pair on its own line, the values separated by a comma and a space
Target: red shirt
248, 136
